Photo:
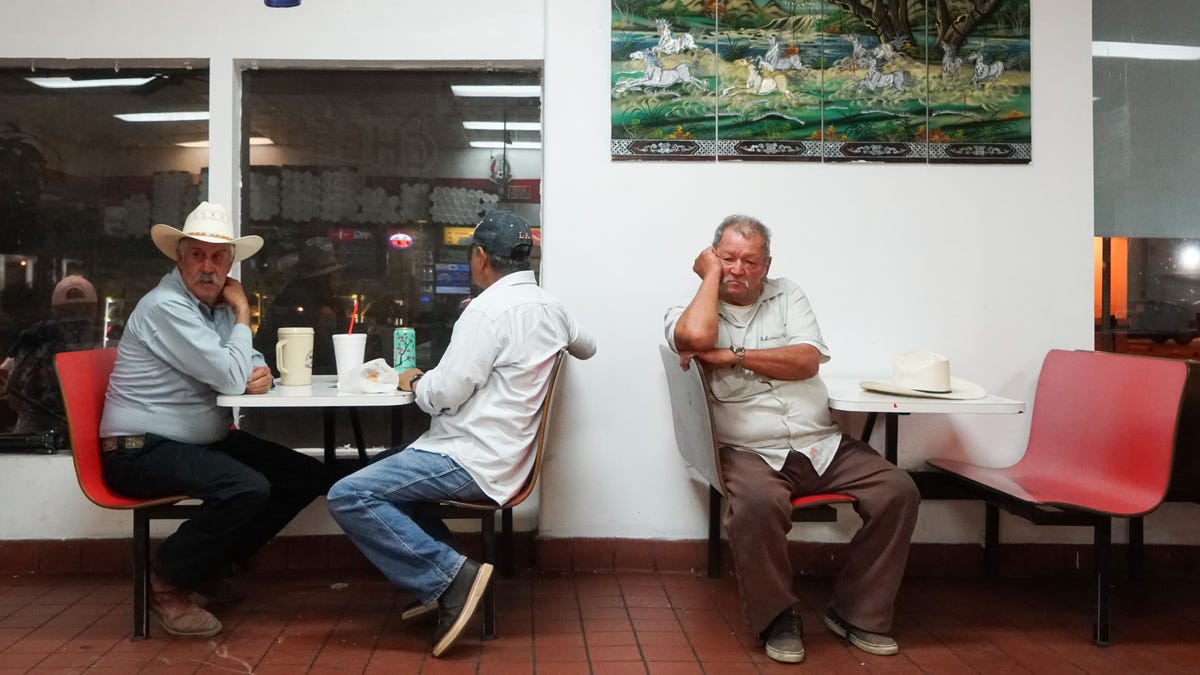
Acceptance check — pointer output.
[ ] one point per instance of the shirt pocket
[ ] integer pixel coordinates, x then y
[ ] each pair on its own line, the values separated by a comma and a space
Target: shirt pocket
768, 339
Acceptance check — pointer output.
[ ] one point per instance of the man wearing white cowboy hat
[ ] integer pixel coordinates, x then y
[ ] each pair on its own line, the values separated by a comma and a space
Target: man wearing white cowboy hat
761, 349
162, 433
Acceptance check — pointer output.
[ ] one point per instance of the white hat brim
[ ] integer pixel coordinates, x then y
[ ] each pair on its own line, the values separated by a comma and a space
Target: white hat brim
166, 238
959, 389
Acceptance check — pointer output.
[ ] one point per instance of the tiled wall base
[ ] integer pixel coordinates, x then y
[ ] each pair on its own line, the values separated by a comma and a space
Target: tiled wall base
332, 552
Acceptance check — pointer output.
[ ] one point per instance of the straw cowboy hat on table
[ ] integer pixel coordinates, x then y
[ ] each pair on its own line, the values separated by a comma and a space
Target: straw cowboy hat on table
927, 375
210, 223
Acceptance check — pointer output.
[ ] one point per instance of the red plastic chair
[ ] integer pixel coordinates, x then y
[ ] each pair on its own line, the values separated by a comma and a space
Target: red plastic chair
691, 410
1101, 445
83, 378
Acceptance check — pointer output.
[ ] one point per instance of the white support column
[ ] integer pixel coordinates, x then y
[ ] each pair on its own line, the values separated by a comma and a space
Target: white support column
224, 138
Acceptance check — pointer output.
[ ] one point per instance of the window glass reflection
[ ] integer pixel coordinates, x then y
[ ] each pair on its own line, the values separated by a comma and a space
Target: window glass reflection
1147, 247
368, 183
79, 190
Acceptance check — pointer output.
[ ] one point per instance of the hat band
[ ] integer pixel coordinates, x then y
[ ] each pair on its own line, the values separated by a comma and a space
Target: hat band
208, 234
933, 391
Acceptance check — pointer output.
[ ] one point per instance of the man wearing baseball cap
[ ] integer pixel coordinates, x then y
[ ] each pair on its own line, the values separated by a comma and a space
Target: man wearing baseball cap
162, 433
484, 398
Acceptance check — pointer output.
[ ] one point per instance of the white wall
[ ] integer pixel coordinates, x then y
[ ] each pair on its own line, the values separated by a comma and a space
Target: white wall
988, 265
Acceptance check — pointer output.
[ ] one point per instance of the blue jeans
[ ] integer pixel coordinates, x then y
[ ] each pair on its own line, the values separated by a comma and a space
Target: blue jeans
382, 509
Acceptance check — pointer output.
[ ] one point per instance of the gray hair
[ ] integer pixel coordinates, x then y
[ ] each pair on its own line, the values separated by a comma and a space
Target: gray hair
747, 226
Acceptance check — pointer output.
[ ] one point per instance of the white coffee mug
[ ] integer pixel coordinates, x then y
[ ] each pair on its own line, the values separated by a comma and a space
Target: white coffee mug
294, 356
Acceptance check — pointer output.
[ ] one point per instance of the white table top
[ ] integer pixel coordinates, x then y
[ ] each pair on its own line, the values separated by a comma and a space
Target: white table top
322, 393
846, 394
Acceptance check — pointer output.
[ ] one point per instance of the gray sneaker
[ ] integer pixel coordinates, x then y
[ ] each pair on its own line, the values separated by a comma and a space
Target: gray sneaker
458, 602
871, 643
784, 638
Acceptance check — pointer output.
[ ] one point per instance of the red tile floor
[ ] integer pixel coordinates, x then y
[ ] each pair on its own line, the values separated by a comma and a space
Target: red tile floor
334, 622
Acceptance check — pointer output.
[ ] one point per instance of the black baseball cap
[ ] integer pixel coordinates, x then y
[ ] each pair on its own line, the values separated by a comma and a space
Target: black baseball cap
503, 233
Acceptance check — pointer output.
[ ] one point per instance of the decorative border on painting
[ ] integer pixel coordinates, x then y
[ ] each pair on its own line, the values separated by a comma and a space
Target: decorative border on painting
634, 148
980, 153
792, 151
875, 151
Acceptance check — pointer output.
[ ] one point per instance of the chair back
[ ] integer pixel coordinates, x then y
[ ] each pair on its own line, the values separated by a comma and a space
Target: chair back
83, 378
539, 441
692, 416
1109, 422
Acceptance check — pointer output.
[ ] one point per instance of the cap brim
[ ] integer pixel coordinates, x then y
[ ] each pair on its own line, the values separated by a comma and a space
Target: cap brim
959, 389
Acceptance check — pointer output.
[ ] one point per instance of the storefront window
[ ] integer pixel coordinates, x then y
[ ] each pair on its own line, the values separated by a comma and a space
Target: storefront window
363, 183
1147, 247
86, 167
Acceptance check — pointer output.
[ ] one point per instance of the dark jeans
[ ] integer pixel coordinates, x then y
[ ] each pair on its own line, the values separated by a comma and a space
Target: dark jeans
251, 489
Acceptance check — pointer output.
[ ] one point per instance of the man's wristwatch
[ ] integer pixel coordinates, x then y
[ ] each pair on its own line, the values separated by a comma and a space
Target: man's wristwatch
739, 352
413, 380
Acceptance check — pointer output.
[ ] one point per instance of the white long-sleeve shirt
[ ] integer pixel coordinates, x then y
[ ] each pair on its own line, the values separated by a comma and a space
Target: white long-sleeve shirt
485, 393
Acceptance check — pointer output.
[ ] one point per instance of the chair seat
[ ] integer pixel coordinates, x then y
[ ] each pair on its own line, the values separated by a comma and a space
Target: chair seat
1038, 486
807, 501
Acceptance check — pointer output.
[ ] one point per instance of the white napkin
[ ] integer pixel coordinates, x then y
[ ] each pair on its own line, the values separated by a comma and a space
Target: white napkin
372, 377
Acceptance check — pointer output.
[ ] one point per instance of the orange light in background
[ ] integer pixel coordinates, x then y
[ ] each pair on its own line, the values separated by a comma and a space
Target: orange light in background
1119, 281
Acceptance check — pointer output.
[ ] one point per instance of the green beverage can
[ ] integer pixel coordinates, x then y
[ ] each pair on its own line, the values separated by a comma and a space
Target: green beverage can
404, 349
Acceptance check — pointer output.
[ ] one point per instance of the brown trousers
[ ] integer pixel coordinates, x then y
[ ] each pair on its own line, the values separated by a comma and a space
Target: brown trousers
758, 519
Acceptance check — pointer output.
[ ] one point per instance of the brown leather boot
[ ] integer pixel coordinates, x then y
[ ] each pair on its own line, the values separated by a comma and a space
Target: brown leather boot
177, 613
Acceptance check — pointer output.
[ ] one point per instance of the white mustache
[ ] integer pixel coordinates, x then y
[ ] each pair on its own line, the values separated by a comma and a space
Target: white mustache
204, 278
733, 280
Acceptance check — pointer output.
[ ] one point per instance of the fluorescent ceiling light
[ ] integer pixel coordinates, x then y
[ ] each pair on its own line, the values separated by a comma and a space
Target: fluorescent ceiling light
498, 90
515, 145
70, 83
254, 140
163, 116
501, 126
1145, 50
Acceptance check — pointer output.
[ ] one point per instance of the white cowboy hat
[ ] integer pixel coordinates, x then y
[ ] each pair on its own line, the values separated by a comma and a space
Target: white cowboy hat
925, 374
208, 222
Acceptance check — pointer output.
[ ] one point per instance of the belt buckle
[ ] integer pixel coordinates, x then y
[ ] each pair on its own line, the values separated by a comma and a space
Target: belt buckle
122, 443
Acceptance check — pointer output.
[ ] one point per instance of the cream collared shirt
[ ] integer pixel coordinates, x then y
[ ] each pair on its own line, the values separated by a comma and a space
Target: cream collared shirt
754, 413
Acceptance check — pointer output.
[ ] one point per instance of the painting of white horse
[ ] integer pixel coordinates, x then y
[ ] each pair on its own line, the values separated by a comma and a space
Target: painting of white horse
669, 43
655, 76
775, 60
984, 71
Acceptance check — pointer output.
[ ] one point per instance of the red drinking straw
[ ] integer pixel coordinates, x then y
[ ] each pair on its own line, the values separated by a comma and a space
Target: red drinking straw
353, 315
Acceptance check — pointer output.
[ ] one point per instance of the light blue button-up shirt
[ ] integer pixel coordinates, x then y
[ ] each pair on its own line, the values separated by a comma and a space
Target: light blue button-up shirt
176, 355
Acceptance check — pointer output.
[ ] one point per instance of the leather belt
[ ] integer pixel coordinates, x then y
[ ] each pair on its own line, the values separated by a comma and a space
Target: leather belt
122, 443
